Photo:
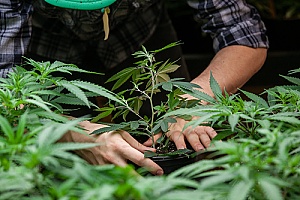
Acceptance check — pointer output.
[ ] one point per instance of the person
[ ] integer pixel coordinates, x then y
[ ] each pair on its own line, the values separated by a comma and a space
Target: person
103, 40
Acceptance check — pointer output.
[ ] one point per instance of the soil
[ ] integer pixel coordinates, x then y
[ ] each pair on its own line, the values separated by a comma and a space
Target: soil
170, 148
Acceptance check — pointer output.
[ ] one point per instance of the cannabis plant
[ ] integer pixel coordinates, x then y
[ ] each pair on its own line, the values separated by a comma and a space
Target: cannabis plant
257, 159
266, 168
260, 159
41, 94
232, 115
34, 165
149, 77
32, 102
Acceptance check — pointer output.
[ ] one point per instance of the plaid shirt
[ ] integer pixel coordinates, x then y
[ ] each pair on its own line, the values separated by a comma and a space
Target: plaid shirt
15, 29
65, 34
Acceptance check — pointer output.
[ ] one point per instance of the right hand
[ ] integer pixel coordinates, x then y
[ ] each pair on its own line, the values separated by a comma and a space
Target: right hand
115, 148
199, 137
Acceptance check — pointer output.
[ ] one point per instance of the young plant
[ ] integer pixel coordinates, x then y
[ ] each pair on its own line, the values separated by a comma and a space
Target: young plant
233, 116
247, 168
261, 160
40, 94
33, 98
149, 77
34, 165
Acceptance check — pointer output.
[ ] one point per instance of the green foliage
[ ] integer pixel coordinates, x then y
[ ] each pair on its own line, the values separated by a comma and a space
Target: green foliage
39, 168
40, 92
33, 165
258, 157
242, 118
267, 168
148, 78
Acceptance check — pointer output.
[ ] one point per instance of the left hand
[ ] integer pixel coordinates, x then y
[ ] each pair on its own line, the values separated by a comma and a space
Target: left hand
199, 137
114, 148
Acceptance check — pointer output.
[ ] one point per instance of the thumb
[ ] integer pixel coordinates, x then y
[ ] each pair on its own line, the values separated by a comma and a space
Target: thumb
150, 141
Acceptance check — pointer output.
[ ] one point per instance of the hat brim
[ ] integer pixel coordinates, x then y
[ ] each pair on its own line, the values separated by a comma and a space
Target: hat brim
81, 4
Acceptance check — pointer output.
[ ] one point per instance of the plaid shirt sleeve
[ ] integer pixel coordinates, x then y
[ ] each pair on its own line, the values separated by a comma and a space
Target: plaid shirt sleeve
14, 33
231, 22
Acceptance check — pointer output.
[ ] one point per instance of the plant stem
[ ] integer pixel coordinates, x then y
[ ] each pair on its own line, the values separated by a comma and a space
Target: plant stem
153, 75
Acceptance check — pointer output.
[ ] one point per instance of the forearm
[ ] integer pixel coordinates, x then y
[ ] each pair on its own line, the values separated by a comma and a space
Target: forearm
232, 67
239, 38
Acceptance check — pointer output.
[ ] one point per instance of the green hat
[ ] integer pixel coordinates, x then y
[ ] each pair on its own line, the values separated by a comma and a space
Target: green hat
81, 4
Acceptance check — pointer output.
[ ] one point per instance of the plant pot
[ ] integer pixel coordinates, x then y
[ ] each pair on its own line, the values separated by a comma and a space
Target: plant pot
172, 163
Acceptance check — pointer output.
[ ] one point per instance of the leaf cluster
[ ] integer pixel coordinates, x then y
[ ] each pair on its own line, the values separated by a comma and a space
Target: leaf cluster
232, 115
33, 165
42, 94
261, 159
148, 77
244, 168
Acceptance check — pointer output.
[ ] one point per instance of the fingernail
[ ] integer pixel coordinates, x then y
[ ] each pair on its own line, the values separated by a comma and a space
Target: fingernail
199, 148
150, 149
159, 172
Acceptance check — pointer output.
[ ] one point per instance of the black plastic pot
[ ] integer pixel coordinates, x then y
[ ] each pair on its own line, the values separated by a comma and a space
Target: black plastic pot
172, 163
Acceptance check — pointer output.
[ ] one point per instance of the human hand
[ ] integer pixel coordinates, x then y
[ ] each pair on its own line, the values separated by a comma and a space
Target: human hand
114, 148
199, 137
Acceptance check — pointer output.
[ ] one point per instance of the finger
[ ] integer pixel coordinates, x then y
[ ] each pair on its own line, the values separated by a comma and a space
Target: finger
98, 156
112, 144
203, 135
134, 143
205, 140
210, 131
138, 158
133, 153
176, 134
149, 142
178, 138
117, 160
194, 140
116, 150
